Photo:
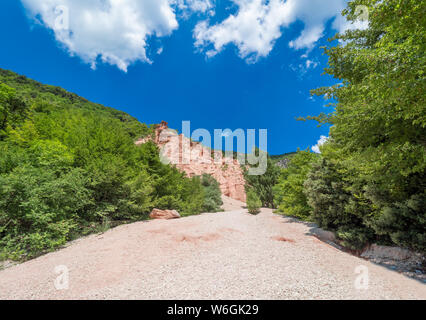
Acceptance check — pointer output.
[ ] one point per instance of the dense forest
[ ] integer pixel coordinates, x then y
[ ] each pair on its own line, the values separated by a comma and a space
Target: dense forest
368, 184
69, 167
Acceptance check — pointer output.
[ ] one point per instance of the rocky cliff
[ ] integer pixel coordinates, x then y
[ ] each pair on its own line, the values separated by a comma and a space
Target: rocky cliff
195, 159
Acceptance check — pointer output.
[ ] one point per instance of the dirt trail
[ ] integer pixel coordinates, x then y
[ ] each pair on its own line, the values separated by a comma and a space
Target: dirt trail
229, 255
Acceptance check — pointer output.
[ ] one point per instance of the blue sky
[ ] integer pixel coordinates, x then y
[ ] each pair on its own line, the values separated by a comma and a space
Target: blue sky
203, 61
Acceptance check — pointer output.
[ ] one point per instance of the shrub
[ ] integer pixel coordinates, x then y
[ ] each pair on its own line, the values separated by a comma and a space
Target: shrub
39, 210
253, 202
334, 207
212, 194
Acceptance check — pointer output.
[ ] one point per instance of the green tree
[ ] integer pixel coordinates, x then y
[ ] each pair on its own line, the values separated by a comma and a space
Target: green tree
289, 193
379, 119
263, 184
12, 108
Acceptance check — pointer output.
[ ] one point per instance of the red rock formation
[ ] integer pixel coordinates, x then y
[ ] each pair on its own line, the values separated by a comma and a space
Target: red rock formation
164, 214
195, 159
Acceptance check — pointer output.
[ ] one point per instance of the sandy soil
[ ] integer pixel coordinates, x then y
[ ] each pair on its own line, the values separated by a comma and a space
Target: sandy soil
229, 255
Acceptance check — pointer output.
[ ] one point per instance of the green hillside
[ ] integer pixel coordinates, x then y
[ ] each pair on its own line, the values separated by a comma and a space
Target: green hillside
278, 157
69, 167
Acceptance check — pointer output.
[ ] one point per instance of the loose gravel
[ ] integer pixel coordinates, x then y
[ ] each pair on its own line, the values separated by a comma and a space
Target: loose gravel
228, 255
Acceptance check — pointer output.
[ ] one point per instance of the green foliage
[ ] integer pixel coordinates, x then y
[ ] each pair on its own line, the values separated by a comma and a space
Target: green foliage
263, 184
253, 202
193, 198
278, 157
372, 182
288, 192
212, 194
12, 109
40, 208
335, 206
69, 167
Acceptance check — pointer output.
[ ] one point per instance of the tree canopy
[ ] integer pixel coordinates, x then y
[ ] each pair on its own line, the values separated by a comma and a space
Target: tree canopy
370, 183
69, 167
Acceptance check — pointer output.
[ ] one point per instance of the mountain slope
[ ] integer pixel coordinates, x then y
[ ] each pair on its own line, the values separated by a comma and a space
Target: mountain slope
282, 160
69, 167
31, 91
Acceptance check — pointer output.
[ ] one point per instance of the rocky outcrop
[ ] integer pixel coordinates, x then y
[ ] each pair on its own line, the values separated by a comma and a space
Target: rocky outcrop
195, 159
385, 252
164, 214
323, 235
409, 263
283, 163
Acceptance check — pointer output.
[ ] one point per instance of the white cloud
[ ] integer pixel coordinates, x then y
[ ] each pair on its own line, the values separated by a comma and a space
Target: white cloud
257, 24
253, 29
321, 141
311, 64
114, 31
309, 36
195, 5
117, 32
302, 68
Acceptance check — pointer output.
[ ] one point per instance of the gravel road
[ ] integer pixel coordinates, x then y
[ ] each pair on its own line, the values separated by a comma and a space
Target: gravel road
229, 255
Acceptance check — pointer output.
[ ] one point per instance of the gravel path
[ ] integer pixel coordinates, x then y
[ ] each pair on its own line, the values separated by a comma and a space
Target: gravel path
230, 255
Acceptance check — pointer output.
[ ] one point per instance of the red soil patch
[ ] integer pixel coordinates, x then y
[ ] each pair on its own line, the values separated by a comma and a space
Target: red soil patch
195, 239
277, 238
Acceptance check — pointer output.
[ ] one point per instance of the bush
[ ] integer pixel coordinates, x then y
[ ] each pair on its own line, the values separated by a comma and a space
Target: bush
193, 197
403, 222
253, 202
334, 207
212, 194
39, 209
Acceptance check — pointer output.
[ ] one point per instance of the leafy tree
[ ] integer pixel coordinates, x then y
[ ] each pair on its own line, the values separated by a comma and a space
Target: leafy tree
12, 108
378, 122
263, 184
192, 197
288, 192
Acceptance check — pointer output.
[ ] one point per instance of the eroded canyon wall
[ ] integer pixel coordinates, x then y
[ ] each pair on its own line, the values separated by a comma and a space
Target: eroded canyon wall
195, 159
